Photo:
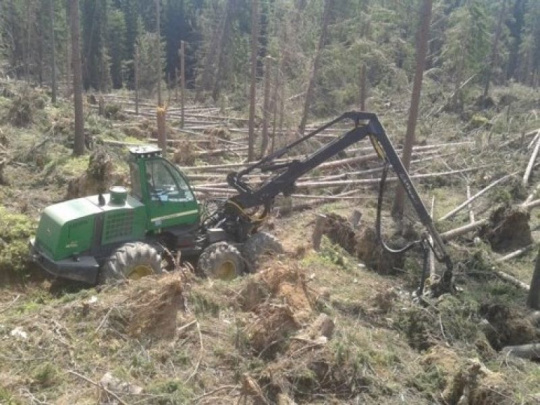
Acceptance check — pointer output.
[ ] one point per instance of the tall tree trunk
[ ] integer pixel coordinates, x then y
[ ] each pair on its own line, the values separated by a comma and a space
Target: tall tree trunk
322, 39
68, 52
421, 52
136, 72
494, 48
182, 81
158, 52
363, 87
266, 105
533, 299
53, 54
78, 147
161, 111
253, 79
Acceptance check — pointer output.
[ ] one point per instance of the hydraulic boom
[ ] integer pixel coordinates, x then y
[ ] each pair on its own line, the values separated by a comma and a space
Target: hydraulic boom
365, 125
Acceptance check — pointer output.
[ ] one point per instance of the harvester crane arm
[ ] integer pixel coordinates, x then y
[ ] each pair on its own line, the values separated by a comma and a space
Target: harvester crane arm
365, 125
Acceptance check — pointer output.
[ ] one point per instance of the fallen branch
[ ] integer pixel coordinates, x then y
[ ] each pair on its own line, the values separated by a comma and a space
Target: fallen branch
531, 162
474, 197
454, 233
469, 205
529, 351
514, 254
512, 280
99, 386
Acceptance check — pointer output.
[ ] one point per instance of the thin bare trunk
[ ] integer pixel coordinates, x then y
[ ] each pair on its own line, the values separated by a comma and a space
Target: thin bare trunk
161, 111
421, 52
266, 105
78, 147
136, 68
274, 107
53, 53
158, 52
311, 84
363, 88
68, 54
182, 82
253, 81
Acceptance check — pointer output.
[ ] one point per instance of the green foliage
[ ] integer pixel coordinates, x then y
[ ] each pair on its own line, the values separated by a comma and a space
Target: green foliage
147, 62
45, 375
467, 41
15, 230
170, 392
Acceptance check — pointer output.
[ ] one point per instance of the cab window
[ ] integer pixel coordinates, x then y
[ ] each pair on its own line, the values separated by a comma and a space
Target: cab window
164, 183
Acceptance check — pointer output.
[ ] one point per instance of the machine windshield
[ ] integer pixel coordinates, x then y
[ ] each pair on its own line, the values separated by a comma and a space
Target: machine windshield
165, 183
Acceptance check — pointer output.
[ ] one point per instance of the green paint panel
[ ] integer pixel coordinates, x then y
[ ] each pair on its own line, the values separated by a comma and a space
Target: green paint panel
67, 228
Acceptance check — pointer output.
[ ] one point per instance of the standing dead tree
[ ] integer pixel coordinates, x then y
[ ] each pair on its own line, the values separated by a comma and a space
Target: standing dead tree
253, 79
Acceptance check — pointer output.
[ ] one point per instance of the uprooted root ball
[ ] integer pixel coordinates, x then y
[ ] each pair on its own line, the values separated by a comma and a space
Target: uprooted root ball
508, 229
362, 243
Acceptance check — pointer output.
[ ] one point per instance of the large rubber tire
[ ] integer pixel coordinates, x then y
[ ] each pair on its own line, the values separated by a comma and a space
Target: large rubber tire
222, 261
258, 245
131, 261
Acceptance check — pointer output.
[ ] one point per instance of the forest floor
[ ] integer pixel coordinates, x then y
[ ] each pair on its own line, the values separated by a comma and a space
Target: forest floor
322, 326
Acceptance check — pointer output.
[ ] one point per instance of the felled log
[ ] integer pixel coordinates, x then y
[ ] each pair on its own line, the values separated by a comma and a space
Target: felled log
529, 351
527, 173
474, 197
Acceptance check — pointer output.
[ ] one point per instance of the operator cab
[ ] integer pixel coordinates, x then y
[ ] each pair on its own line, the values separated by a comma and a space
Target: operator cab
162, 188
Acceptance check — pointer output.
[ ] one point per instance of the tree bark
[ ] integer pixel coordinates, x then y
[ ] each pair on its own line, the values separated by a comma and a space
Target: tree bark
363, 88
136, 72
158, 52
161, 111
78, 147
266, 105
421, 52
311, 84
53, 54
182, 82
533, 299
253, 80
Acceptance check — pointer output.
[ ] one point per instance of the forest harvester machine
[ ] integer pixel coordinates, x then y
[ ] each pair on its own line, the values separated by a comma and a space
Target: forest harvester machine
112, 236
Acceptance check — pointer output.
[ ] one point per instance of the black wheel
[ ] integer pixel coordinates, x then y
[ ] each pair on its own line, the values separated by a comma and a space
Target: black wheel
222, 261
131, 261
259, 244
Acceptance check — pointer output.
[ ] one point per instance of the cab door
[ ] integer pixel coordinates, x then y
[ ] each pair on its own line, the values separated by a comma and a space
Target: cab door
170, 200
